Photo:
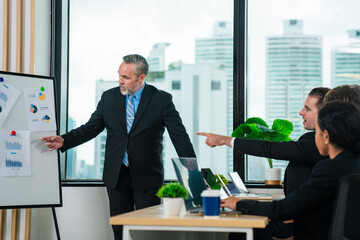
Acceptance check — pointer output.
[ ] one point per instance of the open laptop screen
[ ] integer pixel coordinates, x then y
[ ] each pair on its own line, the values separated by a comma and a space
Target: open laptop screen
210, 178
189, 175
239, 184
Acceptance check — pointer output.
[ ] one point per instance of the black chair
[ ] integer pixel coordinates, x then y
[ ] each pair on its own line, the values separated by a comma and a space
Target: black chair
346, 216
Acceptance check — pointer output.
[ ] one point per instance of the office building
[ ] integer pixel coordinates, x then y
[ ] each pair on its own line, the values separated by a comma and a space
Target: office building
198, 92
71, 154
79, 42
100, 140
293, 68
156, 58
219, 47
346, 61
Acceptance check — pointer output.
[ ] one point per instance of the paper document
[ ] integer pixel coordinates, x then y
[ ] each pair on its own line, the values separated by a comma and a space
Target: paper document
15, 153
8, 97
40, 109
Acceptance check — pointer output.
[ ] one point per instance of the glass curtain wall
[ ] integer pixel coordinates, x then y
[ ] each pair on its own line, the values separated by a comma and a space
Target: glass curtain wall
189, 47
292, 47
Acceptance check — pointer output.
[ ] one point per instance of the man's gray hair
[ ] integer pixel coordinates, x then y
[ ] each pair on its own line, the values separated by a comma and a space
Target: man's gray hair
141, 65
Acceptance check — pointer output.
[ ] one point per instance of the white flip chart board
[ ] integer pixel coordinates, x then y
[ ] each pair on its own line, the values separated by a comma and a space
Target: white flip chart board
29, 172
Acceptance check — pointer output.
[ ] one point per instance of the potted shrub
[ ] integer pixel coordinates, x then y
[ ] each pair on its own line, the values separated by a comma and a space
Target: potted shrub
257, 128
172, 195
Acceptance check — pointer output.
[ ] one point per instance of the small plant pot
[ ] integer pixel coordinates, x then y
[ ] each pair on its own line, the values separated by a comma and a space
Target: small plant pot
172, 206
273, 176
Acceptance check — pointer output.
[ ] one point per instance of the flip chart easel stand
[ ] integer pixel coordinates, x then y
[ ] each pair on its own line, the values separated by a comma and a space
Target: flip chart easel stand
56, 224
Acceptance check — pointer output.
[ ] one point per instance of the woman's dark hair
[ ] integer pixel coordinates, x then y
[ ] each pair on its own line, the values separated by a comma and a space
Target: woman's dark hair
342, 121
348, 93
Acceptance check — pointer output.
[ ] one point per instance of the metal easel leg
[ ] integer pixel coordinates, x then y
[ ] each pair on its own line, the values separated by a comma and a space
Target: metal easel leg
56, 223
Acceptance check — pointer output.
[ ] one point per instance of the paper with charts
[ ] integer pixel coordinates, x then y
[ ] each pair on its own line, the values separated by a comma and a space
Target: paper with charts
8, 97
40, 109
15, 153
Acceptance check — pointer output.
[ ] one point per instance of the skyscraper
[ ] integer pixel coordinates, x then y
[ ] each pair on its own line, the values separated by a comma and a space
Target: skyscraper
293, 68
199, 94
219, 47
100, 140
71, 154
346, 61
156, 58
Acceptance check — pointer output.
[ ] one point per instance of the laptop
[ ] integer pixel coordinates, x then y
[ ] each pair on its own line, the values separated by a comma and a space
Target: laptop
243, 192
212, 183
210, 179
189, 175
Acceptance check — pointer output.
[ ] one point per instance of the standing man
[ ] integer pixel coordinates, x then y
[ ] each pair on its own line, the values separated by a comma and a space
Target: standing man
302, 156
135, 117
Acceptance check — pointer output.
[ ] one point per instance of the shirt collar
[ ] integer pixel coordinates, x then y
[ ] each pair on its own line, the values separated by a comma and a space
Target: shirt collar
138, 93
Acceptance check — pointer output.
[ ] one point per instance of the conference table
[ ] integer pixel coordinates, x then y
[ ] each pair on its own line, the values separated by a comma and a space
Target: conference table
154, 219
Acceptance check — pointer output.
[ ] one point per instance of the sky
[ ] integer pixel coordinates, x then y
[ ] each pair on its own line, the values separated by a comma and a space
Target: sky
102, 33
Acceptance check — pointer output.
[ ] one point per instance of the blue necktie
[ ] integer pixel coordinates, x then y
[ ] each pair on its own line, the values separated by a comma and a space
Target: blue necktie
130, 114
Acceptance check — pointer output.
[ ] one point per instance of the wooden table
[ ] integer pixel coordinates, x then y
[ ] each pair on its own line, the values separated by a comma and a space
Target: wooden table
153, 219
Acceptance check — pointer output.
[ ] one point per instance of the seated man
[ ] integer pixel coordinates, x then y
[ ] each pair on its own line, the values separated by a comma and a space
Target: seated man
337, 136
302, 156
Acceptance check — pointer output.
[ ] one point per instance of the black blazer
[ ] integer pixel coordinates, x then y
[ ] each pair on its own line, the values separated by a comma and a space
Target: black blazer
311, 206
144, 141
302, 156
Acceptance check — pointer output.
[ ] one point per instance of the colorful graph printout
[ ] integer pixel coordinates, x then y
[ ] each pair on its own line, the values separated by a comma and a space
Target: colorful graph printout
15, 153
8, 97
40, 110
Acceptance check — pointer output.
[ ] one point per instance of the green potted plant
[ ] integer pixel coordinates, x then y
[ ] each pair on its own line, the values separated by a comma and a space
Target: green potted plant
257, 128
172, 195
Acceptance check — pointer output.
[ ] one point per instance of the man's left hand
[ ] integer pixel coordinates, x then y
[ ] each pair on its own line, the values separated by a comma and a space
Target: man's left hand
229, 202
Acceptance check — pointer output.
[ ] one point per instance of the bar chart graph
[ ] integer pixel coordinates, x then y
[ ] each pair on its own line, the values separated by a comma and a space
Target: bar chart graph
13, 145
11, 163
3, 96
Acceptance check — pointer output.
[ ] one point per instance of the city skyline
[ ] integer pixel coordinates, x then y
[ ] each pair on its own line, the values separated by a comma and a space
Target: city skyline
105, 61
166, 83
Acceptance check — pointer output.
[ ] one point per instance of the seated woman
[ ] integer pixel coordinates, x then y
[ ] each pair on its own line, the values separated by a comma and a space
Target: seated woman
338, 136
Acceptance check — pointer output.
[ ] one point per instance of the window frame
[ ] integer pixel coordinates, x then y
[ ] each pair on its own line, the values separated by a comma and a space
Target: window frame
60, 65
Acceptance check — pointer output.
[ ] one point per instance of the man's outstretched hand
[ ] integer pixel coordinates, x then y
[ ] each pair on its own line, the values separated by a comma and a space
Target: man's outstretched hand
53, 142
213, 140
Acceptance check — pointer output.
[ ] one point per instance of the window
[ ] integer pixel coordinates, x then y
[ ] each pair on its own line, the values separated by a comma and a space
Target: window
176, 85
215, 85
294, 46
184, 55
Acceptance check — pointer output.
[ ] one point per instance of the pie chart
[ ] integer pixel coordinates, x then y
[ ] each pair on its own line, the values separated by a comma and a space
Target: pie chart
42, 96
33, 108
45, 119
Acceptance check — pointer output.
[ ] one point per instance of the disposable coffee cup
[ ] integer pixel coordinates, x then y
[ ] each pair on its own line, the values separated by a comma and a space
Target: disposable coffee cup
211, 203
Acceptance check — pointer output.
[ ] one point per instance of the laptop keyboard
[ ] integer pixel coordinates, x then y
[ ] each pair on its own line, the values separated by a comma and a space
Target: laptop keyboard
196, 210
246, 195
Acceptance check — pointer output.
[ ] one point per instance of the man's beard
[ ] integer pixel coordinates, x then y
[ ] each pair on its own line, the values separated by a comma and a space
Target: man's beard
128, 91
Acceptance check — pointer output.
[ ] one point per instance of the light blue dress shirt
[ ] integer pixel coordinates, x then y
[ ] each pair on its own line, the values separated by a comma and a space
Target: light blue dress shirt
136, 99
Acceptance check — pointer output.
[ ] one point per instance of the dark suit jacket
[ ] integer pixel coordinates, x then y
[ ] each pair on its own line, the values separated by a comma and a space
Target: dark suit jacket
302, 156
144, 141
311, 206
